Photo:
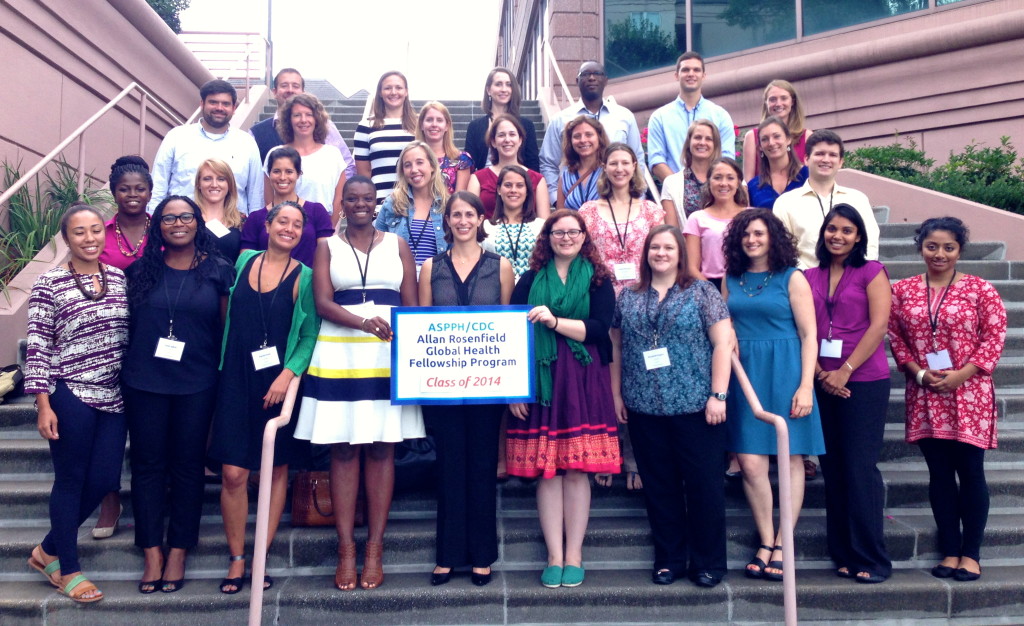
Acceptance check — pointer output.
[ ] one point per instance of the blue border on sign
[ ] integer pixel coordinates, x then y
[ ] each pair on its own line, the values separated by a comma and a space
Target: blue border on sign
396, 315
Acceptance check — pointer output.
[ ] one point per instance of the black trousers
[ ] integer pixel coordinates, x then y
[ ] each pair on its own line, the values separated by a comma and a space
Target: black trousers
679, 458
168, 447
87, 463
467, 464
955, 506
854, 493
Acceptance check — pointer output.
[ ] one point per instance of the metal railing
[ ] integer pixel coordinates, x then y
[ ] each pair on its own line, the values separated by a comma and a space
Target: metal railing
259, 557
145, 99
785, 488
244, 57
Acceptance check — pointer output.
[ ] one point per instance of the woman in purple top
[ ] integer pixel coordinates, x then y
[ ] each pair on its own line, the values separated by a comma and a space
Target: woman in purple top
77, 335
284, 166
851, 303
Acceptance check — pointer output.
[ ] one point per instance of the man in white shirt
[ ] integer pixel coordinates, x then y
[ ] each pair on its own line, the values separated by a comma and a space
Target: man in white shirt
803, 210
618, 121
287, 83
666, 130
186, 147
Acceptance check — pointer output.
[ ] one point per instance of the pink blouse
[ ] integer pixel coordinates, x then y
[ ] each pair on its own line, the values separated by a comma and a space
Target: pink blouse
626, 245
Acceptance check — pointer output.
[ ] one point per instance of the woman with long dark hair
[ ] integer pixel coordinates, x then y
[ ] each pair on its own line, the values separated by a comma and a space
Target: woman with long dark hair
501, 95
178, 295
513, 229
778, 169
705, 229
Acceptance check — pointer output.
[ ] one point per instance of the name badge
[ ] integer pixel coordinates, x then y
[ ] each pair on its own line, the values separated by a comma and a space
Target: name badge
657, 358
217, 228
418, 268
170, 349
939, 360
267, 357
832, 349
625, 271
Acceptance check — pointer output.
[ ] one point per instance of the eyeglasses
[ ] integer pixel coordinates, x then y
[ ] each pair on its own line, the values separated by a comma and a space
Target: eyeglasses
186, 218
590, 74
562, 234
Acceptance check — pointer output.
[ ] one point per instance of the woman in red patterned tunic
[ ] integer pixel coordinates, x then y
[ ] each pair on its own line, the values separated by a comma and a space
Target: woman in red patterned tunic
947, 331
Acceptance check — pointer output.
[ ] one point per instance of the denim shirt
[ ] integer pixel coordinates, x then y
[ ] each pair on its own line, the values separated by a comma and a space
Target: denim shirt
391, 222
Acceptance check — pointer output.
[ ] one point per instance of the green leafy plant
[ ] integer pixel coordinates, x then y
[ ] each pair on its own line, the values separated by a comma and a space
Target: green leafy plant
35, 211
895, 160
170, 11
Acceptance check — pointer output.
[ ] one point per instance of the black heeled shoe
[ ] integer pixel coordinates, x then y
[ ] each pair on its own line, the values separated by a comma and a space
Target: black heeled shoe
758, 563
440, 578
480, 579
237, 583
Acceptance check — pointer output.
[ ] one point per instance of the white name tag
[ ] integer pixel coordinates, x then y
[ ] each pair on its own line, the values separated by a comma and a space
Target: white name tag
939, 360
170, 349
625, 271
418, 268
657, 358
217, 228
831, 349
267, 357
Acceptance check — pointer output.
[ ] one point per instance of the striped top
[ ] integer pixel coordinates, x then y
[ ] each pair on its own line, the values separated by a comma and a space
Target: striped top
421, 240
76, 340
381, 147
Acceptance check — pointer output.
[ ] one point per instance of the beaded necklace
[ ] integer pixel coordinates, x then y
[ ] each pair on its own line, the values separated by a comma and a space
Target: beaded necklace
81, 286
756, 290
119, 236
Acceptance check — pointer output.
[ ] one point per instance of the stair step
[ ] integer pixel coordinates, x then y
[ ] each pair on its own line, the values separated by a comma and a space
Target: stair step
905, 250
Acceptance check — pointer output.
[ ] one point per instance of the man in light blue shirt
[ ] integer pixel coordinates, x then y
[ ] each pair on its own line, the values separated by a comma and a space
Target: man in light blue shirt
618, 121
186, 147
666, 130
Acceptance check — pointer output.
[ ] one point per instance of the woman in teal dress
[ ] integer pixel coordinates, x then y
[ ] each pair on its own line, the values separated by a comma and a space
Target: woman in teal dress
773, 314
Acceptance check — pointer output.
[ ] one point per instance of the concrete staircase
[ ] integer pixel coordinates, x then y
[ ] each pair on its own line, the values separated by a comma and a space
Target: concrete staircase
347, 114
618, 550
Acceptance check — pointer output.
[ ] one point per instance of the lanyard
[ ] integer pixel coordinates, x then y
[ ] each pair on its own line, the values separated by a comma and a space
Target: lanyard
259, 295
514, 246
414, 243
933, 320
621, 236
364, 272
830, 302
831, 194
658, 322
173, 307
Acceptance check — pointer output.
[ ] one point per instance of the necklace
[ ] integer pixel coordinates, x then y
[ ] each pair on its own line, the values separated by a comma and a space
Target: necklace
81, 286
754, 290
131, 251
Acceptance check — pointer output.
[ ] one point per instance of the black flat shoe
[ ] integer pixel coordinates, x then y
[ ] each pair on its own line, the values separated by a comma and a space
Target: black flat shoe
706, 579
237, 583
480, 579
870, 579
966, 576
663, 577
170, 586
437, 579
268, 582
154, 584
942, 571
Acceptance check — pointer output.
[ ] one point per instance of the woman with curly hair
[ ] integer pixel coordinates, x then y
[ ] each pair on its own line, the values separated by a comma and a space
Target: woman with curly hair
177, 294
584, 142
379, 139
570, 430
217, 196
773, 314
303, 125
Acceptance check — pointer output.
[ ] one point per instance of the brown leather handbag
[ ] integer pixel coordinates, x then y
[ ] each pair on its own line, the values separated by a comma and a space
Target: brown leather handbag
311, 501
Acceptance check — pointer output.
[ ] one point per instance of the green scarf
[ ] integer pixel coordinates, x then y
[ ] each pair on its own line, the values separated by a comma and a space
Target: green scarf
570, 300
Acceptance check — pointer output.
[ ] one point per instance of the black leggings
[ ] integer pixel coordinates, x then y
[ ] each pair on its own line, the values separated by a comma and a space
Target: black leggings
953, 505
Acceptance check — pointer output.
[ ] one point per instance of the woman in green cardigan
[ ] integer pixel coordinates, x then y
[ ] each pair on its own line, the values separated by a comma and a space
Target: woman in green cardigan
268, 340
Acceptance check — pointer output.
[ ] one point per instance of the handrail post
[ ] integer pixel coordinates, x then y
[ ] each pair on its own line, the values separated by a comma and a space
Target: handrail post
81, 165
259, 557
785, 489
143, 101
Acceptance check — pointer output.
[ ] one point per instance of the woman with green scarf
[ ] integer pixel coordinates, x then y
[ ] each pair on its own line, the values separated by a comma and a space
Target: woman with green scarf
570, 430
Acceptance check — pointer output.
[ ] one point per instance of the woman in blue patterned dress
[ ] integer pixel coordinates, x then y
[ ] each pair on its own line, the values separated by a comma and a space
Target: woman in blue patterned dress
512, 231
675, 407
773, 313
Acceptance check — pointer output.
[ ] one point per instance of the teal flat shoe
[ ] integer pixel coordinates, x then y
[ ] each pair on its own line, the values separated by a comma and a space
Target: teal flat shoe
551, 577
572, 576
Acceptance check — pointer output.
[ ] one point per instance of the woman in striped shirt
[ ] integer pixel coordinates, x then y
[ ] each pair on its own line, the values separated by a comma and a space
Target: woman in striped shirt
379, 140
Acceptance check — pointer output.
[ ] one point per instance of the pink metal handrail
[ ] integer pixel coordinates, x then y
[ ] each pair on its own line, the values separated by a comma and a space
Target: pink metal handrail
259, 557
785, 489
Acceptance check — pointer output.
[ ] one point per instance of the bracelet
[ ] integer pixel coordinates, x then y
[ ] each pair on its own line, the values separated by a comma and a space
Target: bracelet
920, 376
362, 325
556, 324
847, 364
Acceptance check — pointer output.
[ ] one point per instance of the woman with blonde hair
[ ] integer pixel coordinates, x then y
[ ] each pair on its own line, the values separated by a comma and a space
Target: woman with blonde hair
217, 196
415, 209
380, 138
780, 99
435, 130
303, 125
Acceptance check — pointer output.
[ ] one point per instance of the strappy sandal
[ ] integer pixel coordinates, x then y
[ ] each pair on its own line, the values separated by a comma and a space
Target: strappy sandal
237, 582
76, 582
774, 565
345, 572
604, 481
51, 571
373, 566
758, 563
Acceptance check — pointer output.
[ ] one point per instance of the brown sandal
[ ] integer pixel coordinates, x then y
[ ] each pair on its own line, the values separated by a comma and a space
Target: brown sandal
78, 587
51, 571
345, 574
373, 566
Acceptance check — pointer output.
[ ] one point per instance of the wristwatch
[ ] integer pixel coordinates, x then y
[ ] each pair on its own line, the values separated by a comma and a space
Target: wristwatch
720, 396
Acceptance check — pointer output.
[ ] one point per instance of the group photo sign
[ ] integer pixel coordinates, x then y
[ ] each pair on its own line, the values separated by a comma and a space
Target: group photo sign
461, 355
